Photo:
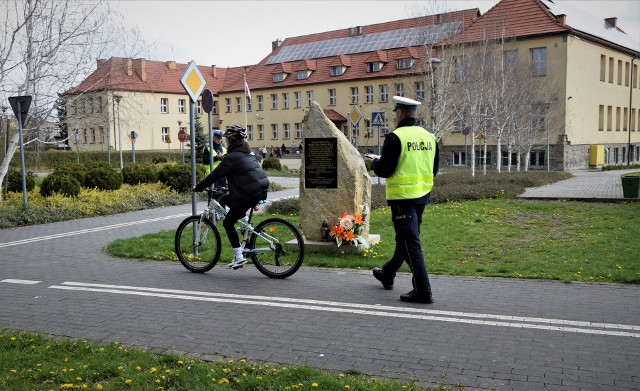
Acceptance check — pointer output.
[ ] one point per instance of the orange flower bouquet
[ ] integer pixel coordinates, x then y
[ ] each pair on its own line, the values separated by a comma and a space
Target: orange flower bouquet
348, 229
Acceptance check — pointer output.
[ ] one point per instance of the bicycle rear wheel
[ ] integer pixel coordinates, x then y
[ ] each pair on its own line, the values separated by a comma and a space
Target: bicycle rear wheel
276, 248
197, 244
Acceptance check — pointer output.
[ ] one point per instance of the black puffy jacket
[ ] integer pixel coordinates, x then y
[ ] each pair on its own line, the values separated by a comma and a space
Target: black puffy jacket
243, 172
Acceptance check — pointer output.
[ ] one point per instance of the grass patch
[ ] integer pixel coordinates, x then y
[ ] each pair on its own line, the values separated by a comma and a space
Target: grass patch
32, 362
569, 241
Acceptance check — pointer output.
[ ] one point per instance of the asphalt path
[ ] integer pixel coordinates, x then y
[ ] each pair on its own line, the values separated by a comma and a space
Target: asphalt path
483, 333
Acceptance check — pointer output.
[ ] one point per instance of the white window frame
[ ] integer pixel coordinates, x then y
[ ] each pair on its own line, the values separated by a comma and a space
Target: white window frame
337, 70
405, 63
399, 89
238, 104
539, 61
420, 91
164, 133
298, 98
274, 101
260, 102
303, 74
164, 105
260, 132
368, 94
309, 97
333, 99
250, 132
354, 95
181, 106
375, 66
298, 130
384, 93
285, 100
286, 128
228, 102
279, 77
274, 131
459, 158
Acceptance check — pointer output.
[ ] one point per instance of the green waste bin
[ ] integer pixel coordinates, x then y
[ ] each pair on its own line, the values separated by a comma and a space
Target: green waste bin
630, 186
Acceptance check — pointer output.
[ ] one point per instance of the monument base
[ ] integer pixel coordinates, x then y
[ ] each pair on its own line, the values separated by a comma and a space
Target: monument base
332, 247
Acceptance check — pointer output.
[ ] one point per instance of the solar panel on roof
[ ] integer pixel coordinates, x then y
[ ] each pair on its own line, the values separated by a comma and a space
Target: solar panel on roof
366, 43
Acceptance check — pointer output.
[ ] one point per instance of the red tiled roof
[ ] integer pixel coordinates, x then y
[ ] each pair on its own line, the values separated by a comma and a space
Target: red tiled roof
158, 76
512, 18
334, 115
260, 76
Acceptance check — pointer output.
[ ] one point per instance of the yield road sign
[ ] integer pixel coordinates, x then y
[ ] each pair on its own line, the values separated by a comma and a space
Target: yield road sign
355, 115
25, 102
377, 118
192, 81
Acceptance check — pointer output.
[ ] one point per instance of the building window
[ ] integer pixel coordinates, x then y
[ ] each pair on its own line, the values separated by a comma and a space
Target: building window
354, 95
337, 71
285, 100
374, 67
215, 107
274, 101
99, 108
298, 98
248, 103
384, 93
615, 155
238, 105
536, 159
505, 158
609, 117
624, 119
199, 106
84, 136
260, 132
93, 135
164, 134
309, 98
287, 131
603, 67
278, 77
299, 130
181, 107
420, 90
260, 102
618, 119
610, 69
399, 89
228, 104
250, 132
83, 108
404, 63
459, 158
539, 61
101, 134
601, 118
458, 69
164, 105
627, 72
619, 72
510, 58
368, 94
480, 157
332, 97
303, 74
274, 131
91, 105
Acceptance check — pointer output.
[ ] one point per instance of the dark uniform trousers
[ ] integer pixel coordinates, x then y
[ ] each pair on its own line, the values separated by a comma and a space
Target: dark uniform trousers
407, 218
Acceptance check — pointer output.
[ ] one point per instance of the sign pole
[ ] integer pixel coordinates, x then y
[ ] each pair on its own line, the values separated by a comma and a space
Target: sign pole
24, 178
192, 127
210, 115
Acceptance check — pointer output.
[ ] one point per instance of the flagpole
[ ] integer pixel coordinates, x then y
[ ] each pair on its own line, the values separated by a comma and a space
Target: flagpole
245, 101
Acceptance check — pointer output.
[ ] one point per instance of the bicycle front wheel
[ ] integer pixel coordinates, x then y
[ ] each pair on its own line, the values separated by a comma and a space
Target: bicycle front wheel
276, 248
197, 244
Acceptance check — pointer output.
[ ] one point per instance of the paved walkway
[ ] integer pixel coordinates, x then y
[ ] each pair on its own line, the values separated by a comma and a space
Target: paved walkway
583, 186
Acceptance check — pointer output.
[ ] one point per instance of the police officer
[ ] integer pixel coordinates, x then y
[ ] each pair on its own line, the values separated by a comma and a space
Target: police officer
409, 161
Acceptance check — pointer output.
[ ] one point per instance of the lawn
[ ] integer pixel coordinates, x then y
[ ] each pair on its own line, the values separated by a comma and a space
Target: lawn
569, 241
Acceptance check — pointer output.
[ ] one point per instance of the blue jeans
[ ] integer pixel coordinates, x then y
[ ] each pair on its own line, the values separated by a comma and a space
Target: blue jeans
407, 218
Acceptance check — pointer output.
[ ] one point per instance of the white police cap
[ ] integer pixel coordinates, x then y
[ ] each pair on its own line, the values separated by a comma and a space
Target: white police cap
405, 103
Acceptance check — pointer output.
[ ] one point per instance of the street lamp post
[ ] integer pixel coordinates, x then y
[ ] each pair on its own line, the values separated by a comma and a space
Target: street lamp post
117, 98
181, 143
432, 104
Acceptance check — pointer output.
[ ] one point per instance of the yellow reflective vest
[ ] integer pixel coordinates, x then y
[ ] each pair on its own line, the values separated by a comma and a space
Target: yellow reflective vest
217, 162
413, 177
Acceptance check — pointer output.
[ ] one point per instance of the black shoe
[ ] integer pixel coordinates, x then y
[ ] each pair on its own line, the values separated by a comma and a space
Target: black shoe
413, 297
379, 275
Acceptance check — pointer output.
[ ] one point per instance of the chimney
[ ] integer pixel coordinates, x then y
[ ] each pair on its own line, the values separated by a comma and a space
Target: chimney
359, 30
140, 66
350, 31
171, 64
562, 19
611, 22
127, 67
101, 61
276, 44
214, 71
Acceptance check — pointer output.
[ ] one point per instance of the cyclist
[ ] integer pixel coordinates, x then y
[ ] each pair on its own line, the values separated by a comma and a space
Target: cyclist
248, 185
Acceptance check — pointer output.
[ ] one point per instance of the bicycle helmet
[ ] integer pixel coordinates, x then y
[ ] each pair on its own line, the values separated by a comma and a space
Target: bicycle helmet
236, 131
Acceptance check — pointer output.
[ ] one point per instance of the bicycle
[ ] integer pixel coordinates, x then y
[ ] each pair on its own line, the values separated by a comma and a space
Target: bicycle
275, 246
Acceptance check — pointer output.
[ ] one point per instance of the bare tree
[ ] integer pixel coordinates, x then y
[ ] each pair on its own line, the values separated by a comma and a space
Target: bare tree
47, 46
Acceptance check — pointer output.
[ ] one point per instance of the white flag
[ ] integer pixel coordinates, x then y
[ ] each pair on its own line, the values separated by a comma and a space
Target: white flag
246, 89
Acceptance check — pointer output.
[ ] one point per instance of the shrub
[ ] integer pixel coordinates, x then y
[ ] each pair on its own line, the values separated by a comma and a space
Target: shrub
271, 163
178, 176
14, 181
91, 164
158, 159
133, 174
285, 206
78, 171
60, 182
103, 178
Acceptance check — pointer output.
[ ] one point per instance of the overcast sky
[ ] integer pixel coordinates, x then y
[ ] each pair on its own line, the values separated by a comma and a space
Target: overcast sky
239, 32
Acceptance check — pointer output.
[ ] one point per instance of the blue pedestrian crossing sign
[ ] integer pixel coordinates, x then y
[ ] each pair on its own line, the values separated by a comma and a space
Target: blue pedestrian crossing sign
377, 118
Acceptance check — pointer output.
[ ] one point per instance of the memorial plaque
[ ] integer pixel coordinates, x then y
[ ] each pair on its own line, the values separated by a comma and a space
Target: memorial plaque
321, 163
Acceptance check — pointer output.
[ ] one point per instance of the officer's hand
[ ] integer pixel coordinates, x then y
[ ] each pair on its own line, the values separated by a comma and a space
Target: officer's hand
371, 156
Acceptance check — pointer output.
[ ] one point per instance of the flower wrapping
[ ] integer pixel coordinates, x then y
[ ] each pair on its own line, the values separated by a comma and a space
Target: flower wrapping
348, 229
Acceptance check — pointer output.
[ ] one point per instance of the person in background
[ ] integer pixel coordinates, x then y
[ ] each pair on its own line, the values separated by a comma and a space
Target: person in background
248, 185
409, 161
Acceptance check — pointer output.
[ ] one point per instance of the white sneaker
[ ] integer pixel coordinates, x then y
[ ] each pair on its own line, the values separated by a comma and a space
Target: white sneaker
237, 262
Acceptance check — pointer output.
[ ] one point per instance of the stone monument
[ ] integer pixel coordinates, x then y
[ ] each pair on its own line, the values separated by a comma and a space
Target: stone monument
333, 180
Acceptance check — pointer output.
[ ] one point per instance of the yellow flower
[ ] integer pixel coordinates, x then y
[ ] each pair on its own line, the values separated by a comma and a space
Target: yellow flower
153, 370
314, 385
128, 381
